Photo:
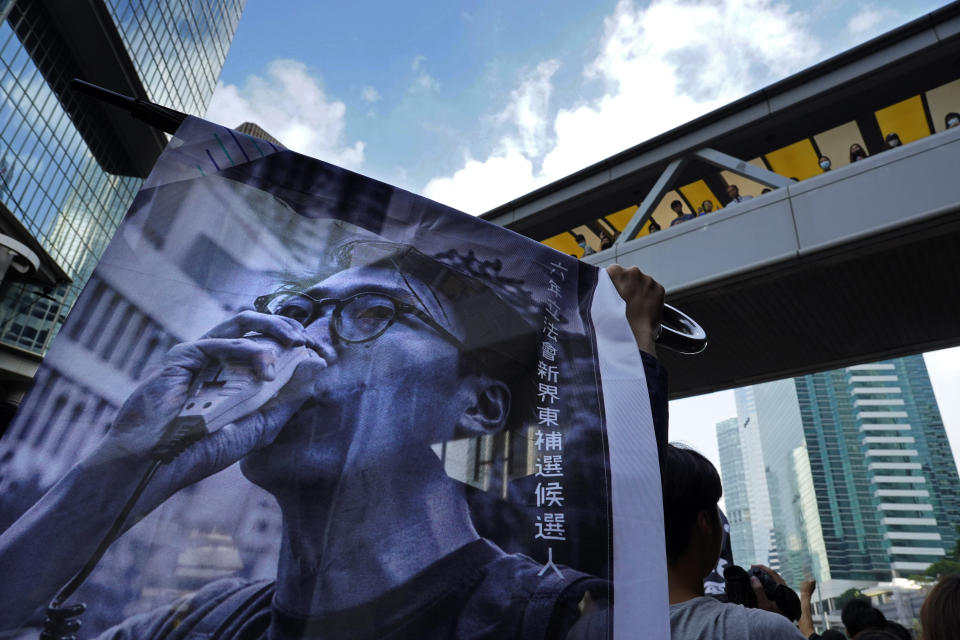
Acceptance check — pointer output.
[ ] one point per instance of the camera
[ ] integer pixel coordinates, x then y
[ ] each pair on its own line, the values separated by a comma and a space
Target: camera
739, 591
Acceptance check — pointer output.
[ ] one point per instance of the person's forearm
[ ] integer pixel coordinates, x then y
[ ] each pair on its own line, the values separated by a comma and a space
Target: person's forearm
55, 537
657, 386
805, 623
646, 341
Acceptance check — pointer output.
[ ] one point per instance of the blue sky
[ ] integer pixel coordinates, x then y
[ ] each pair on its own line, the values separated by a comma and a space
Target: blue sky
476, 103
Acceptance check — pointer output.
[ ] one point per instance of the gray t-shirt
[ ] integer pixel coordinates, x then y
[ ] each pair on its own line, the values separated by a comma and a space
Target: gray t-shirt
706, 618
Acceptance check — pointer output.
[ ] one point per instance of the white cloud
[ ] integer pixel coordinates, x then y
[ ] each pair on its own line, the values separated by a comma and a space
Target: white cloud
655, 77
291, 105
509, 171
528, 108
423, 80
370, 94
481, 185
865, 21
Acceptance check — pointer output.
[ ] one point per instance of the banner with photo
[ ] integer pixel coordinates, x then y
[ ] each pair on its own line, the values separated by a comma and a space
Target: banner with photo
353, 412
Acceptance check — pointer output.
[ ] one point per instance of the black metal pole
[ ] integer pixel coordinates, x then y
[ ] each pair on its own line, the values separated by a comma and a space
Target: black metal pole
153, 114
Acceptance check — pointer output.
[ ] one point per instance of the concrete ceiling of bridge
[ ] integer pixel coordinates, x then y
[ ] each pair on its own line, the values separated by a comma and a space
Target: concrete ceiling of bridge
821, 312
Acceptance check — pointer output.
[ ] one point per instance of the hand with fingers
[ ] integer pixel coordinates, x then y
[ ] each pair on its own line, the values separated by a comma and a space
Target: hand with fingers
257, 349
772, 592
644, 297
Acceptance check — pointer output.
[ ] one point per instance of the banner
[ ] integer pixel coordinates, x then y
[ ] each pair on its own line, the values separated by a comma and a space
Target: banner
377, 417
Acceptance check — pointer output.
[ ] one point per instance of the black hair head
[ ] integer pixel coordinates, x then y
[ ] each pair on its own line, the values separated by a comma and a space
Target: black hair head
859, 615
691, 484
897, 630
876, 634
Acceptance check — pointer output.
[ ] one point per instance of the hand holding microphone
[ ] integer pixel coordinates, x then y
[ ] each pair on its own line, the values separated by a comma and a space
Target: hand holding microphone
215, 399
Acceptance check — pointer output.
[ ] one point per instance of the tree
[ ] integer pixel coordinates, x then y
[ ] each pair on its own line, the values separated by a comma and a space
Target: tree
948, 565
943, 567
850, 594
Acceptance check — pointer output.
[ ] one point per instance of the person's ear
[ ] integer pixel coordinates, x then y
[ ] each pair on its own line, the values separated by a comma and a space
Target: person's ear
709, 523
704, 523
487, 405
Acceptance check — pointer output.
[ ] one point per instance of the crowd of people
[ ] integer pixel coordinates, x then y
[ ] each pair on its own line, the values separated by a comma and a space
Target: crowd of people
606, 241
857, 152
706, 207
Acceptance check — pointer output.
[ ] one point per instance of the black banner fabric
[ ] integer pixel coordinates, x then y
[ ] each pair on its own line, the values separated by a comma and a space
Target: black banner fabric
372, 416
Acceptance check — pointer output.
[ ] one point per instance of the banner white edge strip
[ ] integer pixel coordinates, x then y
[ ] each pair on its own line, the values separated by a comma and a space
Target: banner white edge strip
639, 556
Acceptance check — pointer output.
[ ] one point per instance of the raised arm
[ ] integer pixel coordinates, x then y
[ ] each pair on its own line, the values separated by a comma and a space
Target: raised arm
805, 622
644, 298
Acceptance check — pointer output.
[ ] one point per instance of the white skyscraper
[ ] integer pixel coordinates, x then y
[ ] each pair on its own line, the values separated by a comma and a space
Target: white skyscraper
761, 516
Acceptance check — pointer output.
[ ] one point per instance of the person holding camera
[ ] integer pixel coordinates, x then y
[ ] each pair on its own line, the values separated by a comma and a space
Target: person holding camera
693, 531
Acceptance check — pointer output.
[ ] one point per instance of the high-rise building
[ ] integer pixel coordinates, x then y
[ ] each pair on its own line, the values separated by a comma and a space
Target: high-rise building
735, 497
744, 483
862, 483
69, 166
761, 517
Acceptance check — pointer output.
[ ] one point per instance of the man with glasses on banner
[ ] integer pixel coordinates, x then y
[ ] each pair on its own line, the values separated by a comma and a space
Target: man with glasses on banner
393, 353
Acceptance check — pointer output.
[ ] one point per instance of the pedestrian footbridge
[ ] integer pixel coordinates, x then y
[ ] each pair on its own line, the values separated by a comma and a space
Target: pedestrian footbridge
857, 264
825, 269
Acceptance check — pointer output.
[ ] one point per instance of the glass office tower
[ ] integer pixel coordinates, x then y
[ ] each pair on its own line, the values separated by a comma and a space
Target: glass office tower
69, 167
882, 467
744, 484
735, 491
862, 482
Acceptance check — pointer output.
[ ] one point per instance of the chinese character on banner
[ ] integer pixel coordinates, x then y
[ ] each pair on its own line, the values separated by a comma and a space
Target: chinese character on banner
547, 391
547, 372
551, 526
549, 441
548, 351
553, 310
549, 495
558, 268
548, 417
550, 466
550, 564
550, 331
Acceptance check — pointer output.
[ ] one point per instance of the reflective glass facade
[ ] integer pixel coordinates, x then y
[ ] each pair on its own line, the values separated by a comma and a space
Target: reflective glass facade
52, 184
735, 496
177, 46
861, 478
49, 178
